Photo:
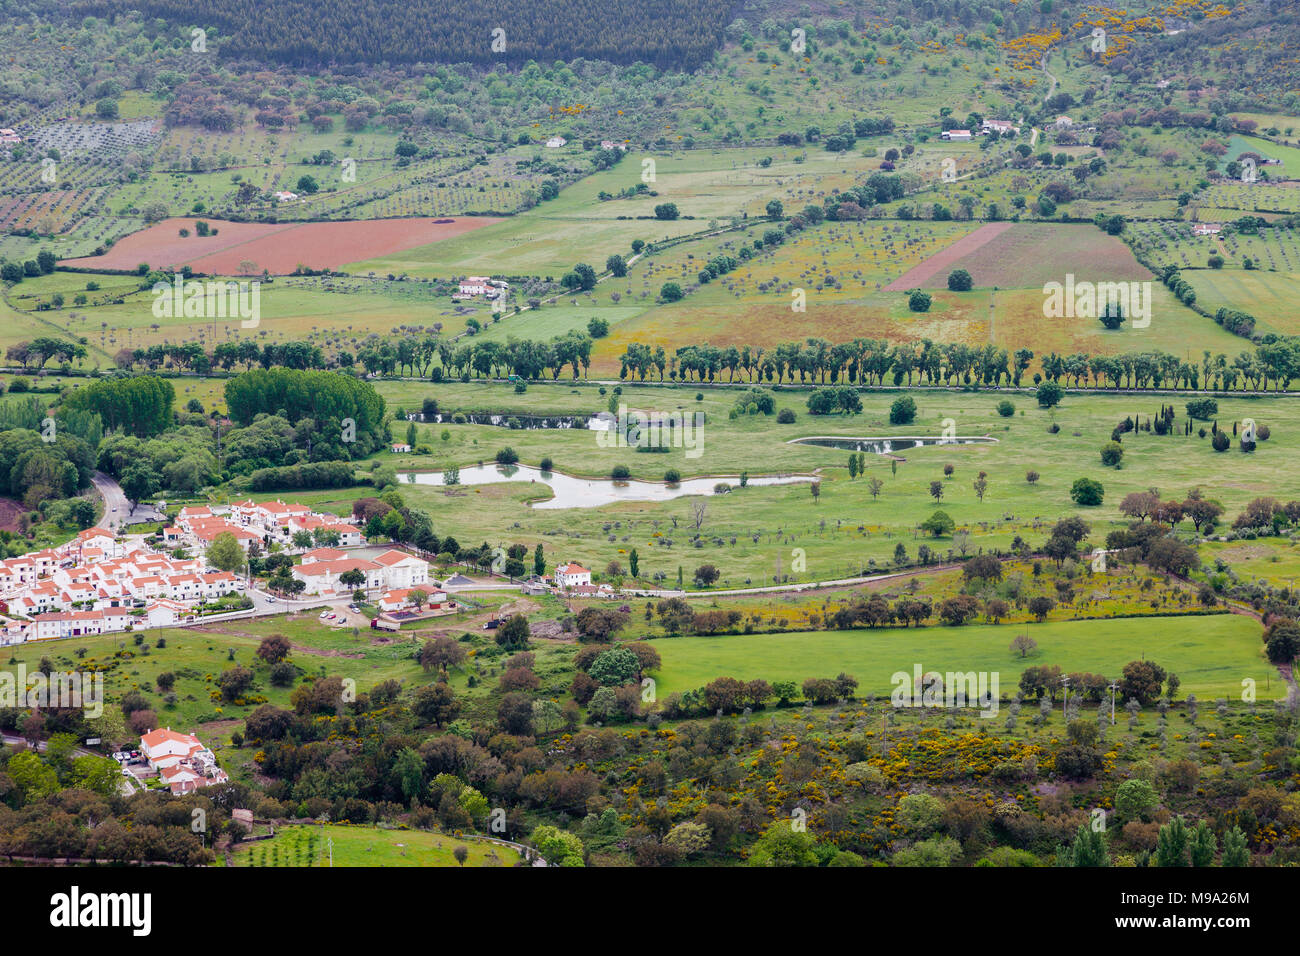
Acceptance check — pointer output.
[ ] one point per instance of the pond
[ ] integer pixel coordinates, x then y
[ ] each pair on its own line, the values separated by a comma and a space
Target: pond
571, 492
889, 445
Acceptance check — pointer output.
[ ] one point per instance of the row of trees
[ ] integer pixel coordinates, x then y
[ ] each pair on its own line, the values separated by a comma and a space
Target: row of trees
1274, 363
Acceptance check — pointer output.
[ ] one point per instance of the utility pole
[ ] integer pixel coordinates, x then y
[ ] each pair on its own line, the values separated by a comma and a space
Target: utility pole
1114, 686
1065, 700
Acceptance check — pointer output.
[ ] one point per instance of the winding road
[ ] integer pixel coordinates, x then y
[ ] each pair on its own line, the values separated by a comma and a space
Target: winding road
116, 507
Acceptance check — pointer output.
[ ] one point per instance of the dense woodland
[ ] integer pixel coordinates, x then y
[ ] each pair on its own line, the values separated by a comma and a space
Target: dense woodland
667, 33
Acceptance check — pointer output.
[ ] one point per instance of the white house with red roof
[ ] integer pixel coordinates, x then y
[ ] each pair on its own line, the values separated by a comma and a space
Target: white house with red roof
399, 599
571, 575
182, 760
349, 535
388, 571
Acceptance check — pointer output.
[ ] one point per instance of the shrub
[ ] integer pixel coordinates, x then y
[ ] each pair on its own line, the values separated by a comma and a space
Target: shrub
785, 416
1006, 409
902, 411
1087, 491
959, 280
919, 301
1111, 454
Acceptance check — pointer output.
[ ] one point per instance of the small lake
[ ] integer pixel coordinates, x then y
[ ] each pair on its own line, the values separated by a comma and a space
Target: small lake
571, 492
888, 446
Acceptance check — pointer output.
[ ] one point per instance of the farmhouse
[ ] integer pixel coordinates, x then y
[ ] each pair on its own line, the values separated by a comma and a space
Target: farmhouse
997, 126
956, 135
473, 286
284, 195
611, 144
555, 142
400, 448
1206, 229
571, 575
9, 138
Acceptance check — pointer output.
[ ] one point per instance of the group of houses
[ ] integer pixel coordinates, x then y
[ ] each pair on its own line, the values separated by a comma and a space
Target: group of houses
988, 126
95, 584
266, 522
181, 760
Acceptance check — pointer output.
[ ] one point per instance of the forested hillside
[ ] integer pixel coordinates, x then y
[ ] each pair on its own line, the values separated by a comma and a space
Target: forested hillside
678, 33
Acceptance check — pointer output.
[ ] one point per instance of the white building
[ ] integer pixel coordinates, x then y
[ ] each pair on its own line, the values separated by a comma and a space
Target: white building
571, 575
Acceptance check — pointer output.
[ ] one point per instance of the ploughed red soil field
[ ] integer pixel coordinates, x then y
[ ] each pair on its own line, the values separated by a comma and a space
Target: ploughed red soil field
279, 248
1026, 255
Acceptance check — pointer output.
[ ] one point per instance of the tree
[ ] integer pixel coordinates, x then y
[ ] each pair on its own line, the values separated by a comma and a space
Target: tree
1171, 845
408, 771
1049, 393
936, 490
875, 486
1024, 645
353, 578
902, 411
1282, 641
224, 553
436, 704
919, 301
938, 524
1203, 845
671, 292
1111, 454
775, 208
666, 211
1041, 606
442, 651
513, 633
1089, 848
1087, 491
782, 845
539, 561
1135, 799
706, 575
617, 266
140, 481
1235, 852
274, 648
959, 280
983, 568
1142, 681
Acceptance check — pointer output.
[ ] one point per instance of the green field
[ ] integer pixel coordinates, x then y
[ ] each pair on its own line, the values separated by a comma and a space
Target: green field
1212, 655
846, 530
300, 846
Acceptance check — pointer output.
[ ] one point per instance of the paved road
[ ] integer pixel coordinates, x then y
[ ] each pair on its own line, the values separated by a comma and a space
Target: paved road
116, 507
